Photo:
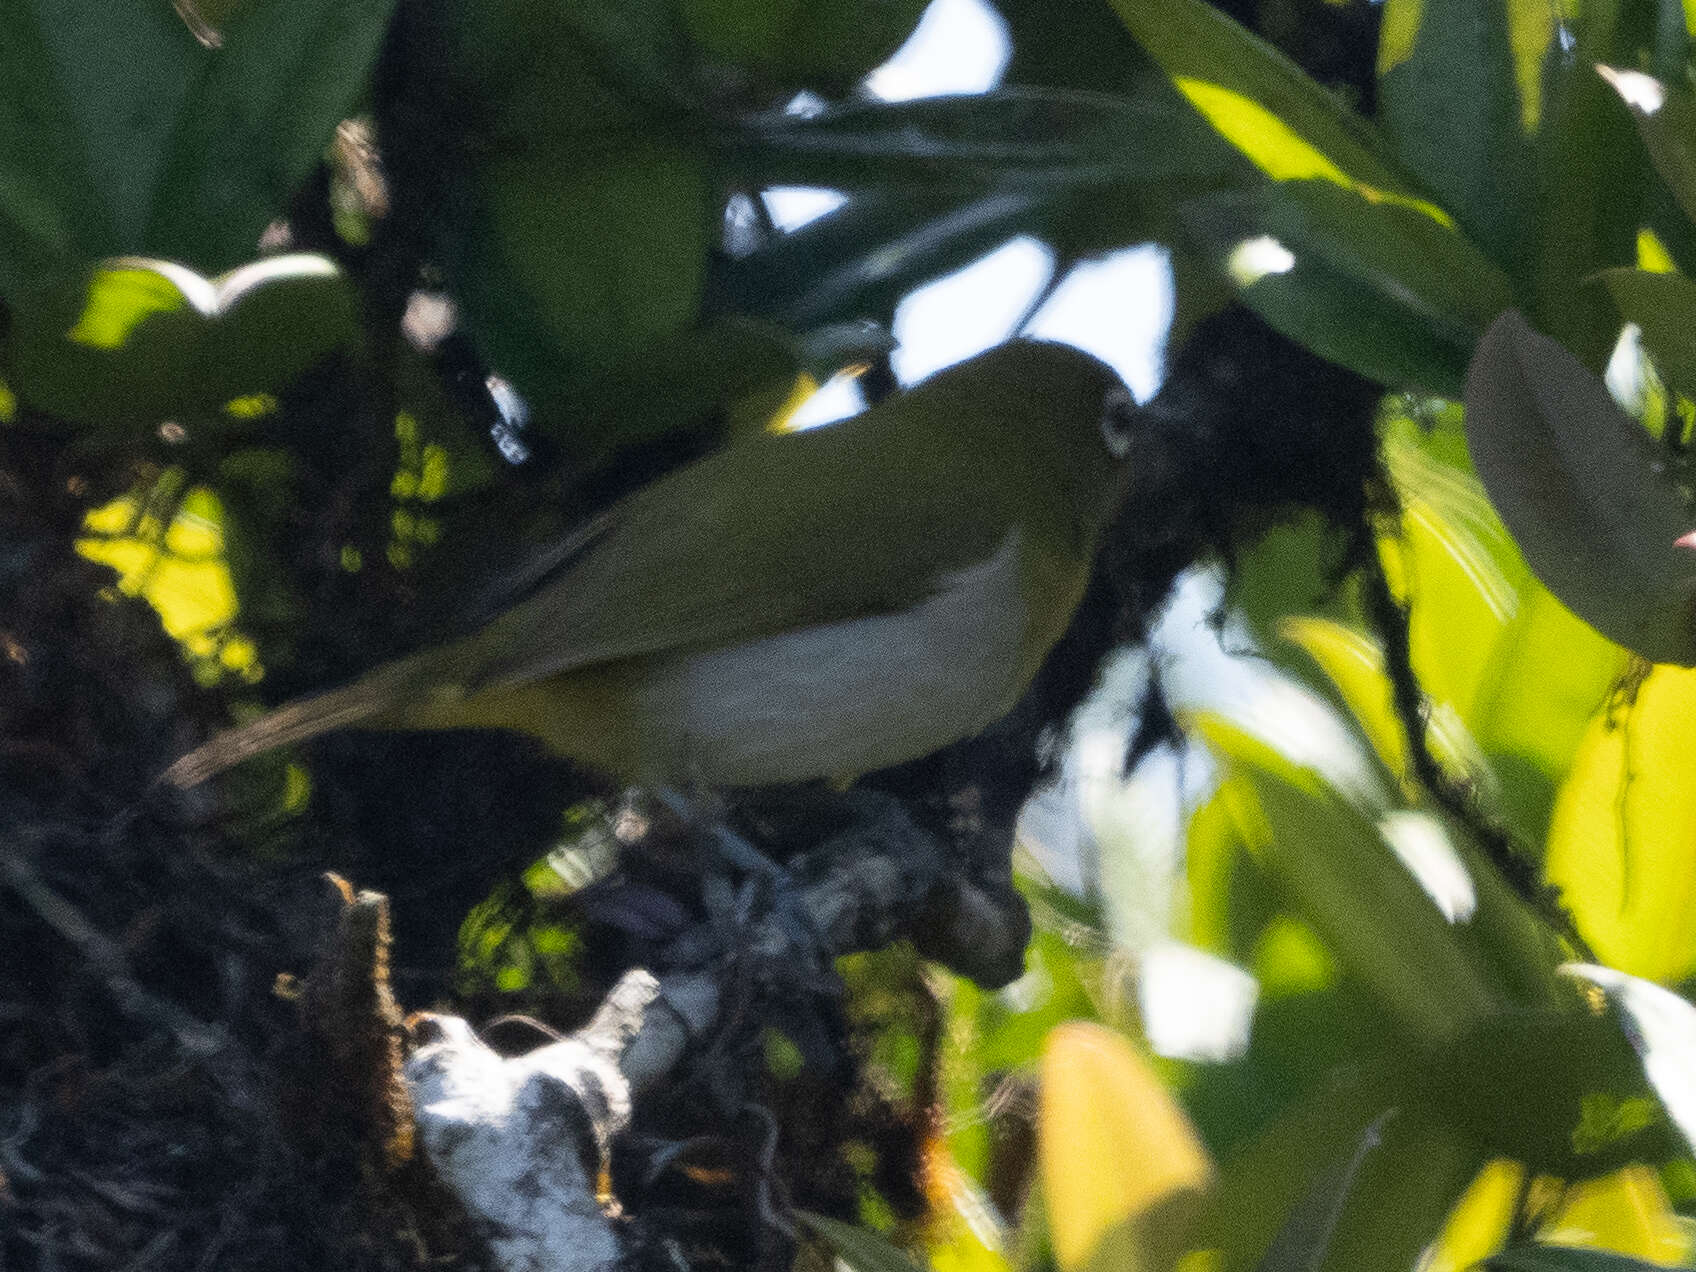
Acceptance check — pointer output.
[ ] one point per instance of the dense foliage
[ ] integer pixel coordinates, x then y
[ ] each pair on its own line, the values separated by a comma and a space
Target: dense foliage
323, 320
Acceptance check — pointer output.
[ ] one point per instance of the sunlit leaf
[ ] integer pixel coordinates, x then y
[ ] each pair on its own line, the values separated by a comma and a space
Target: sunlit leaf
1590, 501
1196, 44
1123, 1173
1620, 843
139, 340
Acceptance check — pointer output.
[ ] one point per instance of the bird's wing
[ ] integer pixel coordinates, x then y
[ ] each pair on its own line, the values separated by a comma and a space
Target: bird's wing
775, 533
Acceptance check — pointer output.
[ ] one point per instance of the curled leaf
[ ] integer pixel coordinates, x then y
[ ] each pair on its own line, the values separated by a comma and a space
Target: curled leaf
1594, 506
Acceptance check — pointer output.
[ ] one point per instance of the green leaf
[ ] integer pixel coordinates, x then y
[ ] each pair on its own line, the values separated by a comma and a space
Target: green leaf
1665, 115
1380, 287
1664, 307
1011, 138
1451, 102
1258, 99
569, 271
1337, 872
1589, 499
862, 259
141, 340
1302, 1242
1123, 1172
1663, 1029
1549, 1258
861, 1250
827, 45
1620, 839
259, 120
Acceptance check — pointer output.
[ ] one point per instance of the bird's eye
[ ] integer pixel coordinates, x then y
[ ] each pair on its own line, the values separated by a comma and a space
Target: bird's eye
1118, 420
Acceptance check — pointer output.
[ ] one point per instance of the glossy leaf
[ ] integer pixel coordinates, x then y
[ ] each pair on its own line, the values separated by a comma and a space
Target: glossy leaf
1582, 487
1242, 84
1663, 305
142, 339
259, 120
1123, 1173
1620, 841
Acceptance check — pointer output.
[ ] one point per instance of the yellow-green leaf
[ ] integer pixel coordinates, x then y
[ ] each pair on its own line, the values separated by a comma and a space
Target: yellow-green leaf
1124, 1174
1622, 844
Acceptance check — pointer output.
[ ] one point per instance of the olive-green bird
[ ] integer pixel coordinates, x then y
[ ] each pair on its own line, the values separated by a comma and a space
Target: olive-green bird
798, 605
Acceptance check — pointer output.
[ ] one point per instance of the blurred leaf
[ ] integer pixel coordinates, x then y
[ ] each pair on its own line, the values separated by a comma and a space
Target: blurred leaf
1547, 1258
1011, 138
50, 213
821, 44
1620, 841
1355, 666
1379, 287
861, 1250
1561, 1091
1123, 1173
1339, 875
1626, 1213
1487, 638
1663, 305
1258, 98
1663, 1030
140, 340
1450, 99
859, 261
1302, 1242
570, 272
1665, 115
1588, 497
259, 120
118, 73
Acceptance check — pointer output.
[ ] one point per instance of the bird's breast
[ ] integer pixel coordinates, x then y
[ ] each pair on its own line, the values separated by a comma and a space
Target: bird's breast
843, 698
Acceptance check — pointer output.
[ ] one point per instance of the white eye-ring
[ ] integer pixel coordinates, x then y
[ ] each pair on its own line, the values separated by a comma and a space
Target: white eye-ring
1118, 420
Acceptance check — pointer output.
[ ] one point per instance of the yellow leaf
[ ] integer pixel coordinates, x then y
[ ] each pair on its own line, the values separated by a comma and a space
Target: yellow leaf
1123, 1171
1622, 842
1480, 1220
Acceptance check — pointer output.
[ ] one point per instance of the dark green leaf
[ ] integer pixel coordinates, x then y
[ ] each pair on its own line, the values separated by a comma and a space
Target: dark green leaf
1591, 501
1664, 307
1012, 138
1665, 115
1449, 101
1381, 287
787, 44
862, 1250
258, 121
1301, 1243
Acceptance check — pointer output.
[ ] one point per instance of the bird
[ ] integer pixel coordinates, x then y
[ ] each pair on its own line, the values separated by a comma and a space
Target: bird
810, 604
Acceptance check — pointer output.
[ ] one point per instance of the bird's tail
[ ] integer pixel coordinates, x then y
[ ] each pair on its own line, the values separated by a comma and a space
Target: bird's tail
372, 697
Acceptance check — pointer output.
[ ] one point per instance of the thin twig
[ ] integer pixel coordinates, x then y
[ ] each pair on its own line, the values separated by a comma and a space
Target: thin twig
1455, 797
